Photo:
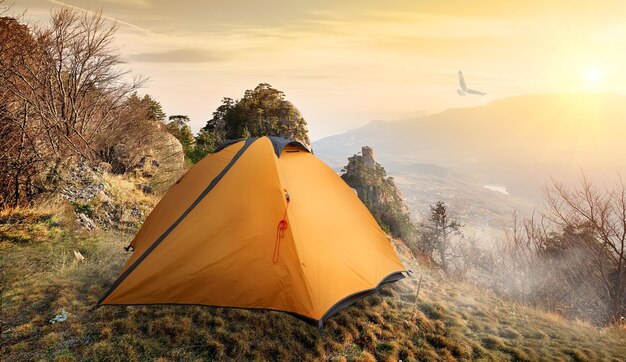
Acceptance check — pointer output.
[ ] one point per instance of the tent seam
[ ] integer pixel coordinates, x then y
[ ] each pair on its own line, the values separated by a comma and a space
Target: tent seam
291, 232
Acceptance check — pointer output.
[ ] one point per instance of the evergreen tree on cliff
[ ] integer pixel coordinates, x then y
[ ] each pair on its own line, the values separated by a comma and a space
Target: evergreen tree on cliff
379, 194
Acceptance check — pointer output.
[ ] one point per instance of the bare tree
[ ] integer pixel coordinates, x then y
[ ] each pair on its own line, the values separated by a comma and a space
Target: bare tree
542, 264
62, 92
79, 88
603, 214
20, 155
569, 260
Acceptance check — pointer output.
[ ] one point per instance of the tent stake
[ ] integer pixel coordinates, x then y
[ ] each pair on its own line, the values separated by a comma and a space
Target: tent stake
417, 294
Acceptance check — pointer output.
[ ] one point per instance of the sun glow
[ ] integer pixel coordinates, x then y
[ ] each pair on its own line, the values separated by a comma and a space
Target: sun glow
593, 76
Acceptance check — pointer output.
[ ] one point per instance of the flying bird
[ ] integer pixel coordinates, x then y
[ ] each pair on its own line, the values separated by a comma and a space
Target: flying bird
463, 91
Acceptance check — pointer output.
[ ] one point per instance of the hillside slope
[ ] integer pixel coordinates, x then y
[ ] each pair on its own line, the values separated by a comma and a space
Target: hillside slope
450, 321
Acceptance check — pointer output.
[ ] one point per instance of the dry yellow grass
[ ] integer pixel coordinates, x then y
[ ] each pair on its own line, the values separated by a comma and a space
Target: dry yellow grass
125, 188
453, 321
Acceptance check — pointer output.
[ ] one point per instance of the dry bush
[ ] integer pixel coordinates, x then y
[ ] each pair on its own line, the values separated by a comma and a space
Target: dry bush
63, 97
570, 260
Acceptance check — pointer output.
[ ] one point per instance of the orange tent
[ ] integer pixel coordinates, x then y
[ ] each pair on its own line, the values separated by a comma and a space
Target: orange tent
263, 224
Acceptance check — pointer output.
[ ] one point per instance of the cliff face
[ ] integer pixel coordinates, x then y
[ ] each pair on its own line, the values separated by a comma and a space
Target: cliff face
379, 193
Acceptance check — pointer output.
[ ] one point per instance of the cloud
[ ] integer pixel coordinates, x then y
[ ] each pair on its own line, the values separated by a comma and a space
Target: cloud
136, 3
177, 56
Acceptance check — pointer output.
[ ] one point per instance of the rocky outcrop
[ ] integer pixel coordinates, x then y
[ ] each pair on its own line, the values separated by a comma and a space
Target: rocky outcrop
367, 156
85, 221
117, 191
81, 183
103, 200
379, 193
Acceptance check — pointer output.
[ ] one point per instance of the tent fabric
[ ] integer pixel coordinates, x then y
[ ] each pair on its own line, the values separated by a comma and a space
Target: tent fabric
211, 238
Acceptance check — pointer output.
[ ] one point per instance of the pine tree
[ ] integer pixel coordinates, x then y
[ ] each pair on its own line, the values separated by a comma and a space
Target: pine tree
436, 240
178, 126
263, 111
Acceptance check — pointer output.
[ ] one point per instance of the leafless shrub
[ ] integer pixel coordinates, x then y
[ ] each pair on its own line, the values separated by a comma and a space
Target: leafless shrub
569, 260
594, 224
63, 96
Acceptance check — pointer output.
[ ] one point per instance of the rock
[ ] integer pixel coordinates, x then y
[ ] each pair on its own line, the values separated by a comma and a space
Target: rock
135, 212
105, 167
147, 189
78, 257
168, 156
97, 200
82, 183
85, 222
143, 148
379, 193
141, 163
367, 153
61, 317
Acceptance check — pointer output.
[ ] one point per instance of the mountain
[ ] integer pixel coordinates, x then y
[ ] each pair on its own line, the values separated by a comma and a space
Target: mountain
490, 159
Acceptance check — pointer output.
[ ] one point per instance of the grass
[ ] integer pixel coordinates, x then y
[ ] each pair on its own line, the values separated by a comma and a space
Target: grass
452, 321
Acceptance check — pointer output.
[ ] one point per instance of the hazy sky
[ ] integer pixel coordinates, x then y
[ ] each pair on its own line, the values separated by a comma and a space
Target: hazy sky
345, 63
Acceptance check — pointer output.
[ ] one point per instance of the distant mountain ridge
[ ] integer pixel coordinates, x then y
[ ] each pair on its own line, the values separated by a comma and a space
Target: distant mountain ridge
541, 122
517, 143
